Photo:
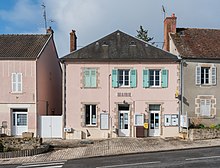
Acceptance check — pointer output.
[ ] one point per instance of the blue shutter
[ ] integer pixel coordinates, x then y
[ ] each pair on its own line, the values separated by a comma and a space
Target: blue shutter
164, 78
86, 77
146, 78
92, 77
114, 78
133, 78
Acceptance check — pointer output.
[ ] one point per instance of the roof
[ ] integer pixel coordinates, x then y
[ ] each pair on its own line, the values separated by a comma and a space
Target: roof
19, 46
197, 43
119, 46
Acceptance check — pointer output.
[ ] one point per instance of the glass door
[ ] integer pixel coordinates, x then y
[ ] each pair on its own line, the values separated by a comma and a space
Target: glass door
154, 129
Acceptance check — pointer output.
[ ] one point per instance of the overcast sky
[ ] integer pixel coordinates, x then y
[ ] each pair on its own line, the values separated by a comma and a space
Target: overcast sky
94, 19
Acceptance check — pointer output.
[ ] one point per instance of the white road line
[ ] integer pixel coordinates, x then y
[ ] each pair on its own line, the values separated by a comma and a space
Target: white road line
132, 164
58, 161
42, 165
203, 158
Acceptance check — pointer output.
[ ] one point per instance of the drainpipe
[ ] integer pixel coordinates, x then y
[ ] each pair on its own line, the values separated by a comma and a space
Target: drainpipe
181, 89
64, 97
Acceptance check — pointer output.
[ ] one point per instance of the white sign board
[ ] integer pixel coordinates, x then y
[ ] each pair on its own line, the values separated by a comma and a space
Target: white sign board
104, 121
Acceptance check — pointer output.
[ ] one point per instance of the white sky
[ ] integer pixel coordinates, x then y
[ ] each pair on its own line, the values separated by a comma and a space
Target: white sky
94, 19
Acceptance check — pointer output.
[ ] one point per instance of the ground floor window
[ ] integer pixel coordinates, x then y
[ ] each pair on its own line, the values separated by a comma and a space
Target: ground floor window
91, 115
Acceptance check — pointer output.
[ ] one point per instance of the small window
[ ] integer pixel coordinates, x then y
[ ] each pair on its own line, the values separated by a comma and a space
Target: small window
90, 115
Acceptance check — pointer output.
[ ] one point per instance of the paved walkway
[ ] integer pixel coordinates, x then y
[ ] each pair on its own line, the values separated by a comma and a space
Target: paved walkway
73, 149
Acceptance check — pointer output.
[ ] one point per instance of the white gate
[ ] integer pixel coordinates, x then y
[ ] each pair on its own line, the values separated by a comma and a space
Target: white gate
51, 126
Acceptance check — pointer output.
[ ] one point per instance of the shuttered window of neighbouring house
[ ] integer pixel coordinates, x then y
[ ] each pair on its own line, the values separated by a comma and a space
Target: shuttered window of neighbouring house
206, 75
198, 75
16, 82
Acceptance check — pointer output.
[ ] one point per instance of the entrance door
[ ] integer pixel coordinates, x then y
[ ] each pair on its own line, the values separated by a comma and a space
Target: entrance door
154, 123
124, 120
19, 122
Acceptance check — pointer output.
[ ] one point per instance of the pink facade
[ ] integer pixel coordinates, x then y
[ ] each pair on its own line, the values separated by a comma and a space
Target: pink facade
30, 86
112, 101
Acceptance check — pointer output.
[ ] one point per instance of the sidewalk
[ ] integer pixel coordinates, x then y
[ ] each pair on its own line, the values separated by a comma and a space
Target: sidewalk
73, 149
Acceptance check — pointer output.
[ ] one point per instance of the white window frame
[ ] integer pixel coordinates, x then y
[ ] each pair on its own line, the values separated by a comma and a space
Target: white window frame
203, 75
90, 114
123, 78
15, 82
136, 123
154, 76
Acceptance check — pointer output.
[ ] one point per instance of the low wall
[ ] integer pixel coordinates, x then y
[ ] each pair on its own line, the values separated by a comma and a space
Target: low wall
23, 153
206, 133
19, 147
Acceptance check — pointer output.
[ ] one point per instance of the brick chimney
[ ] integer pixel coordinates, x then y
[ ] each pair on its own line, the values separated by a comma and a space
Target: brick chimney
49, 30
169, 27
73, 40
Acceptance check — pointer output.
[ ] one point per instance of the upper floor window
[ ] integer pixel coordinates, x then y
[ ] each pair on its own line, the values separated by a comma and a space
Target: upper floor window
155, 78
16, 79
124, 78
90, 78
205, 75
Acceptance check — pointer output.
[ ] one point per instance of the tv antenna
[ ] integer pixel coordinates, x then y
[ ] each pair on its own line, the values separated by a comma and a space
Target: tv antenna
45, 16
164, 11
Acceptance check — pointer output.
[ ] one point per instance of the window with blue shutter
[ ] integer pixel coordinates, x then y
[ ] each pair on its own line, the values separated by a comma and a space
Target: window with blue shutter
133, 78
89, 77
114, 78
146, 78
164, 78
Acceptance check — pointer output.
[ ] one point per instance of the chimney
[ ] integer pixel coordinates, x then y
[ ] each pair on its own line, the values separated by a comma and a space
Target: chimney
50, 30
169, 27
73, 40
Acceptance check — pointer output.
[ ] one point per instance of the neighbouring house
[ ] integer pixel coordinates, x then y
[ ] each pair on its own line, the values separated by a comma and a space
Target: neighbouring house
31, 81
120, 86
199, 50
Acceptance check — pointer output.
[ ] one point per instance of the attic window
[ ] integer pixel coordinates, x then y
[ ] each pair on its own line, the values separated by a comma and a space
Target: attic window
132, 43
97, 43
181, 33
104, 43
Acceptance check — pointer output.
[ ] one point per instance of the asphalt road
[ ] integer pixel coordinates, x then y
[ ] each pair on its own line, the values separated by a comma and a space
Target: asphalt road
196, 158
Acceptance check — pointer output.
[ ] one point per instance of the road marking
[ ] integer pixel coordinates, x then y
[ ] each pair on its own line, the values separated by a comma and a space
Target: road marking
203, 158
132, 164
52, 164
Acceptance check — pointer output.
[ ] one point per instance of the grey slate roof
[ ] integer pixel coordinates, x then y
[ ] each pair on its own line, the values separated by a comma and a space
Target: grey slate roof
197, 43
119, 46
19, 46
